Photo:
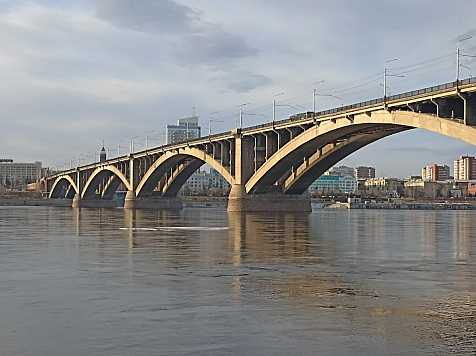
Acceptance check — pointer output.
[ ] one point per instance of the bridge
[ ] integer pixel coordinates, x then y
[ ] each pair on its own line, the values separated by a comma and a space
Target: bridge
269, 166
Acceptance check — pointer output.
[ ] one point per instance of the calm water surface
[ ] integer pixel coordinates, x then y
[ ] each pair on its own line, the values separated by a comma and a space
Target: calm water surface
206, 282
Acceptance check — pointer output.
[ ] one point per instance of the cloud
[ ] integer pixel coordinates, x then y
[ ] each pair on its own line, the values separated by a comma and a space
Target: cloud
244, 81
151, 16
190, 40
216, 47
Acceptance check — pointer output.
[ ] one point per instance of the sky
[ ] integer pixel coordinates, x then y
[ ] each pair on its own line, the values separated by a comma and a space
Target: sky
77, 73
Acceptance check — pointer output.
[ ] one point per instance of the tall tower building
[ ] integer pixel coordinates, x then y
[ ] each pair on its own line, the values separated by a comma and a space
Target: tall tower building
186, 129
465, 168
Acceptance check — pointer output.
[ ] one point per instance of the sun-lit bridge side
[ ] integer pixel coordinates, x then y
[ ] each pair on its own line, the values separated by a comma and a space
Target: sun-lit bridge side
270, 166
101, 176
62, 187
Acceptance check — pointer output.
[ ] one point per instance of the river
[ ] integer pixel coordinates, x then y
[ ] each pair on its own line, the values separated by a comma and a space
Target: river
202, 281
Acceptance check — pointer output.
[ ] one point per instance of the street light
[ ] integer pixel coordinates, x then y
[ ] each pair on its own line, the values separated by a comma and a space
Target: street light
274, 107
236, 119
107, 149
249, 114
132, 143
210, 122
146, 139
79, 159
457, 57
119, 148
314, 97
385, 77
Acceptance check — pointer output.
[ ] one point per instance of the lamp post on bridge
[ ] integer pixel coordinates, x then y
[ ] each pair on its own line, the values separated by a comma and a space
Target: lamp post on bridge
274, 107
119, 148
132, 144
288, 105
249, 114
210, 123
314, 98
79, 159
107, 150
238, 118
457, 57
385, 77
147, 139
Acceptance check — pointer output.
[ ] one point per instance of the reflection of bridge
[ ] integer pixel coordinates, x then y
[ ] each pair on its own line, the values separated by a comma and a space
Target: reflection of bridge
270, 166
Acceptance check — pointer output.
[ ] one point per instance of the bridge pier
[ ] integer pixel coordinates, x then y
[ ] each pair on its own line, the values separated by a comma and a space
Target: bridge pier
132, 202
239, 201
92, 203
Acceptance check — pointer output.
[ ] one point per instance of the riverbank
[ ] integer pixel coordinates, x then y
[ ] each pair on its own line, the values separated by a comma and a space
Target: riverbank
35, 202
405, 206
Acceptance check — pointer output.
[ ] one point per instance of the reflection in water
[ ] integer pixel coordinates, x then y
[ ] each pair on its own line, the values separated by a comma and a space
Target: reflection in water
204, 281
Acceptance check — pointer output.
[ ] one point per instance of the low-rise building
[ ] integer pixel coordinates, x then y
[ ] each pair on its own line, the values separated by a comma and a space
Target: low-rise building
18, 175
393, 187
420, 188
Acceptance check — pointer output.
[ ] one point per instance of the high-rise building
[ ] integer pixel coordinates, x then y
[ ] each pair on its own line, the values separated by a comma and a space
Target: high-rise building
186, 129
435, 172
465, 168
364, 172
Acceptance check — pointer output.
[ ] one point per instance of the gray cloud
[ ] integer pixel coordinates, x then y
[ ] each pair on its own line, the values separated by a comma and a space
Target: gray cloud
216, 47
151, 16
244, 81
190, 39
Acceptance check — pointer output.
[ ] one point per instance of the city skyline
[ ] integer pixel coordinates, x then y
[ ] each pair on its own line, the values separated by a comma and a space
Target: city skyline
78, 72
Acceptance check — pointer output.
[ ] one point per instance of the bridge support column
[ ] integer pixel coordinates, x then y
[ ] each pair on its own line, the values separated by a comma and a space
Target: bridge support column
239, 201
470, 109
92, 203
76, 201
132, 202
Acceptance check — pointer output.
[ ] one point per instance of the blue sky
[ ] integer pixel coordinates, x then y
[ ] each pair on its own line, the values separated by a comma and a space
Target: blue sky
75, 73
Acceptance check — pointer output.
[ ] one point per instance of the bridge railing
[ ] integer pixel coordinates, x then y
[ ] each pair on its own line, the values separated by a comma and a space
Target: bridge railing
319, 114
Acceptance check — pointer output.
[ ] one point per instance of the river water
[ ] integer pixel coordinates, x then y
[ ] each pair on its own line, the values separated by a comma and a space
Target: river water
202, 281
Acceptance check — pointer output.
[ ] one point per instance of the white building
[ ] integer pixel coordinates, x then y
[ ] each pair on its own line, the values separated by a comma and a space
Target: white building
343, 183
343, 170
207, 180
18, 174
186, 129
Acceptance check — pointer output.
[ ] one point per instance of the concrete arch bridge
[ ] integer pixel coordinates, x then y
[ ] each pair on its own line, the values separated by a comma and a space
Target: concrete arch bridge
269, 166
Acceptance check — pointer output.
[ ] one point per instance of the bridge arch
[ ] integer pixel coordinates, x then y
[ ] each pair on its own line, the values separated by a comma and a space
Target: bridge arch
170, 159
62, 186
332, 130
98, 176
300, 180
